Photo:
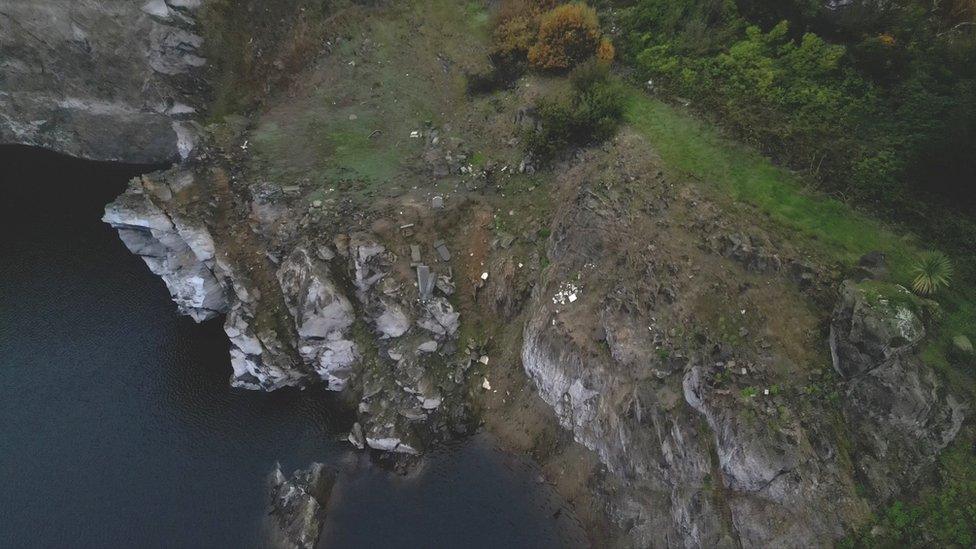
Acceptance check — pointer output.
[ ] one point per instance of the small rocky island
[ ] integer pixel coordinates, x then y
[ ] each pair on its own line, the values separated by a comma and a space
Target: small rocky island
298, 506
682, 368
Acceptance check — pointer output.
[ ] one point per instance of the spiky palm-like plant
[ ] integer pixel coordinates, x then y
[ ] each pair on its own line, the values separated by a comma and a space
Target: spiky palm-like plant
932, 273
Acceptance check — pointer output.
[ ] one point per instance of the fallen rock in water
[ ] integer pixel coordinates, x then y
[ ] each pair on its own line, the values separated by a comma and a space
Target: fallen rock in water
297, 509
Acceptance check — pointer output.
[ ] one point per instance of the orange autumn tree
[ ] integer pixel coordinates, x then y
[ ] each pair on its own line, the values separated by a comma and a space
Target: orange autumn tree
548, 36
515, 28
568, 35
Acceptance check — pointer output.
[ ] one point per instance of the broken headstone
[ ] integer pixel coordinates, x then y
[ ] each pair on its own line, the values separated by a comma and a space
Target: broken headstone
425, 282
442, 250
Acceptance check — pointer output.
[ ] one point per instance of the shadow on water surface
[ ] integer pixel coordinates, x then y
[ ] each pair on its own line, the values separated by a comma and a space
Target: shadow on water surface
119, 426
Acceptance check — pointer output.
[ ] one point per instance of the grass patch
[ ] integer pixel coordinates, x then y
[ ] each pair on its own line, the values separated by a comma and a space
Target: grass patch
691, 149
349, 121
695, 149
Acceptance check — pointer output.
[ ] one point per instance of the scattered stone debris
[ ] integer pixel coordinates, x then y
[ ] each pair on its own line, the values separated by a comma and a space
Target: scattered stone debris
486, 385
568, 293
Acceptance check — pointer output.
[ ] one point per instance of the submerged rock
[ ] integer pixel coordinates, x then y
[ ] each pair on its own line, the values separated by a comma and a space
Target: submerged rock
297, 508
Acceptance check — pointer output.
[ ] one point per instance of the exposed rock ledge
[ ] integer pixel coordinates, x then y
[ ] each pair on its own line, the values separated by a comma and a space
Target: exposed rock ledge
101, 80
293, 321
710, 444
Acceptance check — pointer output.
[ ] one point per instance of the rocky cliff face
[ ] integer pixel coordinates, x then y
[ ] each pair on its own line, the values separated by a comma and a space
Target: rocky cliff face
901, 414
343, 313
662, 349
101, 80
676, 339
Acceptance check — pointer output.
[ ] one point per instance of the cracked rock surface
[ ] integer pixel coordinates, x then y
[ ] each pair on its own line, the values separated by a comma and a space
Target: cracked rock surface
100, 80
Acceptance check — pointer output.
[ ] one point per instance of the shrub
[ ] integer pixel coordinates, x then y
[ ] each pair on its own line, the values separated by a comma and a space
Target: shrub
568, 35
605, 52
512, 39
932, 272
515, 28
546, 36
878, 100
590, 113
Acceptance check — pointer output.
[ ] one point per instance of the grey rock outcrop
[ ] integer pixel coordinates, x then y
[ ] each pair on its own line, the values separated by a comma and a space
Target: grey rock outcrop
297, 508
259, 357
901, 412
323, 317
710, 437
116, 81
178, 250
292, 323
400, 393
872, 323
178, 246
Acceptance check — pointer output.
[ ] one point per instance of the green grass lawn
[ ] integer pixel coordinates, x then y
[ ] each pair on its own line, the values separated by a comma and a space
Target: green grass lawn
690, 148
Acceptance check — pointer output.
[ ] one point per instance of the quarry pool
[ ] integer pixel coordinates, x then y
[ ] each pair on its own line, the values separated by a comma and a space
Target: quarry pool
119, 427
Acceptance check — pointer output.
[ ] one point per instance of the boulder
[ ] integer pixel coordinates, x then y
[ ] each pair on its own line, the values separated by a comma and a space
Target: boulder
872, 265
439, 318
872, 323
297, 507
902, 415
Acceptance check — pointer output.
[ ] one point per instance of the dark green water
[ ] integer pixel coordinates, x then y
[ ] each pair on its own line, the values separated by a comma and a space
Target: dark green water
118, 427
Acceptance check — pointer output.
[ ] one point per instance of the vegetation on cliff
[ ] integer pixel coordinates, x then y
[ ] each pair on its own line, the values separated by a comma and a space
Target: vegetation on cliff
875, 102
797, 91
